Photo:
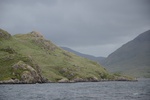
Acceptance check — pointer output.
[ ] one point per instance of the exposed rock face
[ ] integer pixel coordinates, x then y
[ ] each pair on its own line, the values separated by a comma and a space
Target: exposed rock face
39, 39
4, 34
36, 34
26, 73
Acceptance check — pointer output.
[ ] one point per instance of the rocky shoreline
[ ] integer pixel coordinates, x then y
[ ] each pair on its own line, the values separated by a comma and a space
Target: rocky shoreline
16, 81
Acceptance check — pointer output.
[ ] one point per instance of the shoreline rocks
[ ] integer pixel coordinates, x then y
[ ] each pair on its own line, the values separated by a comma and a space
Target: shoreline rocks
16, 81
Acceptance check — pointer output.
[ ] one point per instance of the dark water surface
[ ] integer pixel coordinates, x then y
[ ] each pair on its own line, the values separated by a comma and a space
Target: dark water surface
78, 91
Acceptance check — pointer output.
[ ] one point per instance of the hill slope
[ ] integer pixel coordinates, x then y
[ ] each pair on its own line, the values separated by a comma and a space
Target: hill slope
97, 59
133, 58
29, 58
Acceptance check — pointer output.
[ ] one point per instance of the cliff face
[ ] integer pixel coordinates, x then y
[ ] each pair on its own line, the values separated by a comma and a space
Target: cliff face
30, 58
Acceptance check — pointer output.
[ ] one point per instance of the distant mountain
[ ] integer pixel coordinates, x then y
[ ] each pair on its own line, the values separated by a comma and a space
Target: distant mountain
133, 58
97, 59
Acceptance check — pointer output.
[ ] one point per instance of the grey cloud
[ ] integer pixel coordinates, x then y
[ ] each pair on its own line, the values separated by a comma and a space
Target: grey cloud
78, 23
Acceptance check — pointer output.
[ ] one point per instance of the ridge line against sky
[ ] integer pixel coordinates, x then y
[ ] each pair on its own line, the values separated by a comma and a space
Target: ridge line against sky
95, 27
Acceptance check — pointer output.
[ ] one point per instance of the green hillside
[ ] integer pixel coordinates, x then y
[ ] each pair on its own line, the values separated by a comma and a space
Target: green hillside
31, 58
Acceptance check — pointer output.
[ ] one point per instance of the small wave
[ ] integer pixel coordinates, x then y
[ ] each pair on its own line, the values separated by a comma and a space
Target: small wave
135, 93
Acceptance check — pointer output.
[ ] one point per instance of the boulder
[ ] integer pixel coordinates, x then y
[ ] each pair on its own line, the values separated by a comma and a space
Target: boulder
63, 80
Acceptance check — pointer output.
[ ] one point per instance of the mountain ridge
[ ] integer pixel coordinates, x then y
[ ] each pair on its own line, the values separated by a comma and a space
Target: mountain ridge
131, 58
91, 57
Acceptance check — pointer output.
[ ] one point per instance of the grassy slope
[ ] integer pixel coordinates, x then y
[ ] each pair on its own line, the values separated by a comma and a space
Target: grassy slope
54, 62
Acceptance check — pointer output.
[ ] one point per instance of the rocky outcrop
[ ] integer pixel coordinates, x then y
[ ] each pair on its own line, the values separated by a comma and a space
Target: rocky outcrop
27, 74
39, 40
4, 34
36, 34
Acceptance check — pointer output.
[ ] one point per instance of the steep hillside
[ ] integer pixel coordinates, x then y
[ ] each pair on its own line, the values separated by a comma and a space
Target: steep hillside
29, 58
133, 58
97, 59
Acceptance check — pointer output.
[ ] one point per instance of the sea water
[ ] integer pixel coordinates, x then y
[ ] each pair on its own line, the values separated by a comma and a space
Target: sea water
113, 90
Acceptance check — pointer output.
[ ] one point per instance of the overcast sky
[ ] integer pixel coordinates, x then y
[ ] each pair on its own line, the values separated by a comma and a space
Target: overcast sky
95, 27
